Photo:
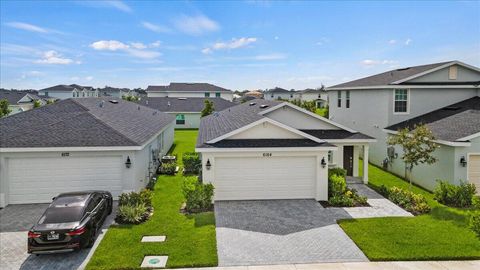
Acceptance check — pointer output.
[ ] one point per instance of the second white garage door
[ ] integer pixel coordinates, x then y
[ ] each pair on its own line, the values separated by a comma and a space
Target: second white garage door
37, 180
474, 171
251, 178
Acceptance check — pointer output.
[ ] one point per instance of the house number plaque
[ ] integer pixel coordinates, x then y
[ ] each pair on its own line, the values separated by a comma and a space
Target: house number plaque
267, 154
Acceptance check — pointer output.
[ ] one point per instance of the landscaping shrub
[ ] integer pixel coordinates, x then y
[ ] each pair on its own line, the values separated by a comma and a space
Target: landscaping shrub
337, 185
476, 202
337, 171
414, 203
475, 223
168, 168
191, 162
341, 201
384, 191
151, 183
134, 207
198, 196
453, 195
132, 214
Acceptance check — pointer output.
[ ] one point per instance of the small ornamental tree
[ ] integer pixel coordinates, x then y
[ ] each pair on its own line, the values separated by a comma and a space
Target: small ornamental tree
208, 109
36, 104
417, 145
4, 110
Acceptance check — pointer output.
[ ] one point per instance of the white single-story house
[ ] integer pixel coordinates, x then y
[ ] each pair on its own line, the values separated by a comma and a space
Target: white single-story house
189, 90
456, 128
187, 111
20, 101
80, 144
275, 150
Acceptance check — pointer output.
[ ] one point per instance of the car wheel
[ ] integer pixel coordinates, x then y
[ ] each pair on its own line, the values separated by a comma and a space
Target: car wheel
91, 238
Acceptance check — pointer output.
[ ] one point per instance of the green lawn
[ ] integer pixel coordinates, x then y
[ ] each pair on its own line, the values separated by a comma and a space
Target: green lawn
440, 235
190, 239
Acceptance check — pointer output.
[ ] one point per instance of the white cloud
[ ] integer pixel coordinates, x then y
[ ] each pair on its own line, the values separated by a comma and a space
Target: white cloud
392, 41
156, 28
370, 62
27, 27
111, 45
276, 37
138, 45
89, 78
156, 44
323, 41
408, 41
135, 49
118, 5
54, 58
233, 44
196, 25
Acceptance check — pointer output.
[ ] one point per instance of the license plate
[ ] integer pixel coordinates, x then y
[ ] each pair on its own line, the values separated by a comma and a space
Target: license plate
54, 236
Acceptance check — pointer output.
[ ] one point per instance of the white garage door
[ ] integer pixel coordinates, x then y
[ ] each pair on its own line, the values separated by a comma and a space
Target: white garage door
37, 180
474, 171
264, 178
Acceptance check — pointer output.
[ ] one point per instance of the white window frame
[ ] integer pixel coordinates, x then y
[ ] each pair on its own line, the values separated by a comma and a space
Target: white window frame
347, 99
408, 101
339, 99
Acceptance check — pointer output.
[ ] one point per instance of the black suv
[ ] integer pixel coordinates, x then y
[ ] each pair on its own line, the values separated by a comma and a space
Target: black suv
70, 222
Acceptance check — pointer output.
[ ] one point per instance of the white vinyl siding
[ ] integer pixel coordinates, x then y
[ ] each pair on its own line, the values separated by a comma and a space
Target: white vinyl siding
288, 177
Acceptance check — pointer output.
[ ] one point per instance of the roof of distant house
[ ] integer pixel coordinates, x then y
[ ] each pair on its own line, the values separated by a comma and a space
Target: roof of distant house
186, 87
166, 104
450, 123
109, 89
14, 96
83, 122
64, 88
395, 75
278, 90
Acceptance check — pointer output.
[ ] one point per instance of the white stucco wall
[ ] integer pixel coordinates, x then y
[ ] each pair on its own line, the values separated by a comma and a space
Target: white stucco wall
276, 96
298, 119
192, 120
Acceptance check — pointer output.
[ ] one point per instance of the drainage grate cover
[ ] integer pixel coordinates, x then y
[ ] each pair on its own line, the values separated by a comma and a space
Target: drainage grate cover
154, 262
158, 238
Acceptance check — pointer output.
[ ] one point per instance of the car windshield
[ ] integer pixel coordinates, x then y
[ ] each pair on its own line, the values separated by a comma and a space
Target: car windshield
65, 209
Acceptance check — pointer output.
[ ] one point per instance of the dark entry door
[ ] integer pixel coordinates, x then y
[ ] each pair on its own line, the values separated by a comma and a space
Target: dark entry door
348, 159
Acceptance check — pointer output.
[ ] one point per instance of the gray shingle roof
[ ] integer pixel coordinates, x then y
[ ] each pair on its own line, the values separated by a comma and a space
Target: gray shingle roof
187, 87
12, 96
450, 123
64, 87
339, 134
82, 122
278, 90
266, 143
389, 77
165, 104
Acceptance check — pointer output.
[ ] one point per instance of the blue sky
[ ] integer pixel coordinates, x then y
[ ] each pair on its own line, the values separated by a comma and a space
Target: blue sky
238, 45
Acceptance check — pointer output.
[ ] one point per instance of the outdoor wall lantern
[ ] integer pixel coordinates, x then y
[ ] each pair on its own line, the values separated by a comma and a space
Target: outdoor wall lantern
208, 165
323, 163
128, 163
463, 161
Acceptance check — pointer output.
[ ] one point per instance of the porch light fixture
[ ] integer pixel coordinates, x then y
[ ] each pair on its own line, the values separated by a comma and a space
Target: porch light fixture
323, 163
463, 161
208, 165
128, 163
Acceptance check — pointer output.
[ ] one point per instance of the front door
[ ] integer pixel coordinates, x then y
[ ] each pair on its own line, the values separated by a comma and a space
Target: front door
348, 159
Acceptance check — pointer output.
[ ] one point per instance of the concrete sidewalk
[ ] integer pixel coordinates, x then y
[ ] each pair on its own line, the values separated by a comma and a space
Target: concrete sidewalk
419, 265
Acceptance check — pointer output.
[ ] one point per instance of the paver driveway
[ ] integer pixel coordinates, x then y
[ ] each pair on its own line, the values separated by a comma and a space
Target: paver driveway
15, 221
281, 232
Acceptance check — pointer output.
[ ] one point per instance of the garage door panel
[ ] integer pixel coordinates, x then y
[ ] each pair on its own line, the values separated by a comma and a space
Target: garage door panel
474, 171
265, 178
36, 180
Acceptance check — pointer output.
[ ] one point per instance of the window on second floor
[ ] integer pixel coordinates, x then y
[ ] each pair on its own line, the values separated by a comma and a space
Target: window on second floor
339, 99
347, 99
400, 101
180, 119
207, 94
73, 94
217, 94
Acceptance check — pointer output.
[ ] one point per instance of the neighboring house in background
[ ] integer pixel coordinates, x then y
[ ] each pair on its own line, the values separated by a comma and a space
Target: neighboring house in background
457, 129
275, 150
320, 96
108, 91
189, 90
80, 144
20, 101
63, 91
383, 100
278, 93
255, 94
187, 111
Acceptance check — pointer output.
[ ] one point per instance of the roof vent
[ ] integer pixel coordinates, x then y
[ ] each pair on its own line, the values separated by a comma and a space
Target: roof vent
114, 101
101, 104
182, 98
264, 106
252, 104
216, 114
155, 112
146, 102
168, 103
